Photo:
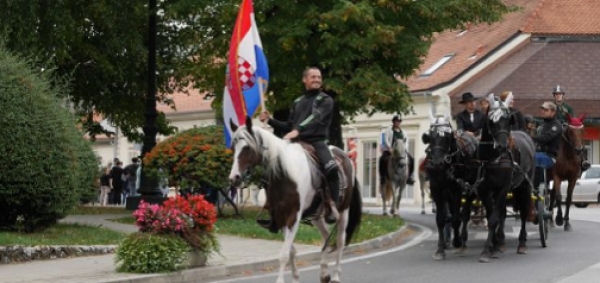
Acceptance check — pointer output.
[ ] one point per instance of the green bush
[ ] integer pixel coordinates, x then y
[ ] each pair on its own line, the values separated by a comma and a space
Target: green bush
45, 164
193, 157
151, 253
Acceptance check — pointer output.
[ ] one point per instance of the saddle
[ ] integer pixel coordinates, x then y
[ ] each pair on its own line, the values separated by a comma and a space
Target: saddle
318, 206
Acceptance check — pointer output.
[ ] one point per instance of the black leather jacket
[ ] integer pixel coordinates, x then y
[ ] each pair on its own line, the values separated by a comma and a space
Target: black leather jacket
310, 115
548, 136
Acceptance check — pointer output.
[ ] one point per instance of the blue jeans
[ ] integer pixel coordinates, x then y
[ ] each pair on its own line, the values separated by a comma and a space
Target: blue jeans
543, 160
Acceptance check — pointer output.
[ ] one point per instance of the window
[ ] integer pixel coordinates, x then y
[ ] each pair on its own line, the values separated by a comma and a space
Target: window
587, 144
593, 173
369, 189
437, 65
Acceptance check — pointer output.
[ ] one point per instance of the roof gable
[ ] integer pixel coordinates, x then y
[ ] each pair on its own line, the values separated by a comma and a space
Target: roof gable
468, 48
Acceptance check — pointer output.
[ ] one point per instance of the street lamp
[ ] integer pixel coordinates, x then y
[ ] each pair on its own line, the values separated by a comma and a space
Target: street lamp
149, 190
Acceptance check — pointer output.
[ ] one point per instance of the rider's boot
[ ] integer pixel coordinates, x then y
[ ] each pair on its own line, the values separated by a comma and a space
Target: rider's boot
411, 169
334, 190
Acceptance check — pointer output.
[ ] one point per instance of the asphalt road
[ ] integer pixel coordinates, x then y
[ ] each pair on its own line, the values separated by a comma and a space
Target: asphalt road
570, 257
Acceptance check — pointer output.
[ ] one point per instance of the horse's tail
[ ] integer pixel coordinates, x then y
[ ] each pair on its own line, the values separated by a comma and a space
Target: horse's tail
354, 213
389, 190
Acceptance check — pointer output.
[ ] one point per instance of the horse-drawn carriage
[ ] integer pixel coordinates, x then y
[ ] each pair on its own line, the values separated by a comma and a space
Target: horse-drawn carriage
499, 165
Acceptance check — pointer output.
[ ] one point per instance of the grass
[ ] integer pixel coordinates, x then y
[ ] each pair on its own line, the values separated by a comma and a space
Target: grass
63, 234
372, 227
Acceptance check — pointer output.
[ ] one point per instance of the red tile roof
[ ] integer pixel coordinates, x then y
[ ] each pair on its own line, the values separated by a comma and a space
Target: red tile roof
479, 40
194, 101
565, 17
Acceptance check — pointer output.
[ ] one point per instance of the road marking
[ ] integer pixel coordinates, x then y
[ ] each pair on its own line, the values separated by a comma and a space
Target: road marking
415, 241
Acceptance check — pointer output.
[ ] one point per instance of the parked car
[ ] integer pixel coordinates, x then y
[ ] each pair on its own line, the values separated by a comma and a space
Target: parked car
587, 188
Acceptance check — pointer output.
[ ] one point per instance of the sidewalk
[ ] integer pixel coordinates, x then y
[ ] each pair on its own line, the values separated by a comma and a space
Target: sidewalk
239, 256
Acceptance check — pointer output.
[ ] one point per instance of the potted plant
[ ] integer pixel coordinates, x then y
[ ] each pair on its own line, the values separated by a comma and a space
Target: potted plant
189, 219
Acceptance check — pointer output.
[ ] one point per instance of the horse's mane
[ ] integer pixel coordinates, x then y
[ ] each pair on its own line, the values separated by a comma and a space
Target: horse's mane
268, 145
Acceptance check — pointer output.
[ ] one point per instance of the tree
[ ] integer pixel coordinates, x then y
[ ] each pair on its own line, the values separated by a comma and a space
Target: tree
46, 164
101, 47
361, 46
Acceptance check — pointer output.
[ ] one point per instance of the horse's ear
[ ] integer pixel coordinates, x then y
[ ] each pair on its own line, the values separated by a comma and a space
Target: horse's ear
582, 117
491, 100
249, 124
232, 125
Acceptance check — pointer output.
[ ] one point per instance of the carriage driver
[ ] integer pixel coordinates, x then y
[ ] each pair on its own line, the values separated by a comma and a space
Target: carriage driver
309, 121
393, 133
547, 139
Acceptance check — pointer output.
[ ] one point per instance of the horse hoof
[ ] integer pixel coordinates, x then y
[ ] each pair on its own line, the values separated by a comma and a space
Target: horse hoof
457, 242
462, 251
334, 281
439, 256
551, 224
484, 259
385, 213
568, 227
502, 248
326, 279
522, 250
496, 254
559, 220
422, 211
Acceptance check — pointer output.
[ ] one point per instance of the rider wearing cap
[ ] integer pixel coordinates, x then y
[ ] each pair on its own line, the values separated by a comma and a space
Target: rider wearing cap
547, 139
393, 133
562, 108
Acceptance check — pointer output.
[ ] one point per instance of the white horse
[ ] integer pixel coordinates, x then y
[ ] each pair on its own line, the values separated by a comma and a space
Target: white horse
294, 183
395, 183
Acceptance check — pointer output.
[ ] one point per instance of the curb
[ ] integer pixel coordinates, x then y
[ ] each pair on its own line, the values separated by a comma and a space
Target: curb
195, 274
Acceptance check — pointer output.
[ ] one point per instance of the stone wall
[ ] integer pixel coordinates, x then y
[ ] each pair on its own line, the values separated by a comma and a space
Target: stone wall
18, 253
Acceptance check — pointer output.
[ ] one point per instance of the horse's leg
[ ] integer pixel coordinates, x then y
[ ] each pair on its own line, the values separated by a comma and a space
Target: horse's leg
383, 192
339, 252
492, 217
397, 199
558, 202
422, 187
500, 244
286, 250
440, 220
324, 231
570, 189
456, 220
466, 216
295, 273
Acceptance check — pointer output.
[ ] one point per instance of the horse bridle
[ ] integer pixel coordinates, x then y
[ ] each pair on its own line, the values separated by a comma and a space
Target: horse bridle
570, 144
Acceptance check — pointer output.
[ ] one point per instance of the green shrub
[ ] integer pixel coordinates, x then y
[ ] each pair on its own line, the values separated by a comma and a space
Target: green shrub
193, 157
151, 253
45, 164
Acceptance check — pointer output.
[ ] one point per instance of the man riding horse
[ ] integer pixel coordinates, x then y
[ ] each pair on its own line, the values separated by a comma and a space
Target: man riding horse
393, 133
562, 109
309, 121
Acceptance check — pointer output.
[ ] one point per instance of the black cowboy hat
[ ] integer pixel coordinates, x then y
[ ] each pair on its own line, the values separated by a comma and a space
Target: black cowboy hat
466, 97
396, 118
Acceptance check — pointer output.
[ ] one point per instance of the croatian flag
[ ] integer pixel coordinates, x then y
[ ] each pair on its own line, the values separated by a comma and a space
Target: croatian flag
247, 74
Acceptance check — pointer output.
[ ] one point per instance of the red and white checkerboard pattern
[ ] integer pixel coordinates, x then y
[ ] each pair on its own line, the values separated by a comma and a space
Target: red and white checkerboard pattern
246, 74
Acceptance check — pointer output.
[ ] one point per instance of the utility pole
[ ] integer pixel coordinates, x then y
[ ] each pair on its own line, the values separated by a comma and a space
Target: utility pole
149, 190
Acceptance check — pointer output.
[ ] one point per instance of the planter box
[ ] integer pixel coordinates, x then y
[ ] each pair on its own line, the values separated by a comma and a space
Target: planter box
196, 259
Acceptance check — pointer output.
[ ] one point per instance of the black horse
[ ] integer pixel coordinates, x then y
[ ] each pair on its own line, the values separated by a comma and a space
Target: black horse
445, 191
508, 166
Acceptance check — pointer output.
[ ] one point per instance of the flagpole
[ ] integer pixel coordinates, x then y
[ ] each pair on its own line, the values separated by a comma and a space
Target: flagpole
262, 97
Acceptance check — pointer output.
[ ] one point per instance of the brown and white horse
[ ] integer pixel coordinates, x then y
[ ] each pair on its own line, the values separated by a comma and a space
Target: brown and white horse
294, 183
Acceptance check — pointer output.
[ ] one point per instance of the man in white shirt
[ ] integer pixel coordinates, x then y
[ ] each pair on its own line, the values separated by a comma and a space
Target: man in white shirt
391, 134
